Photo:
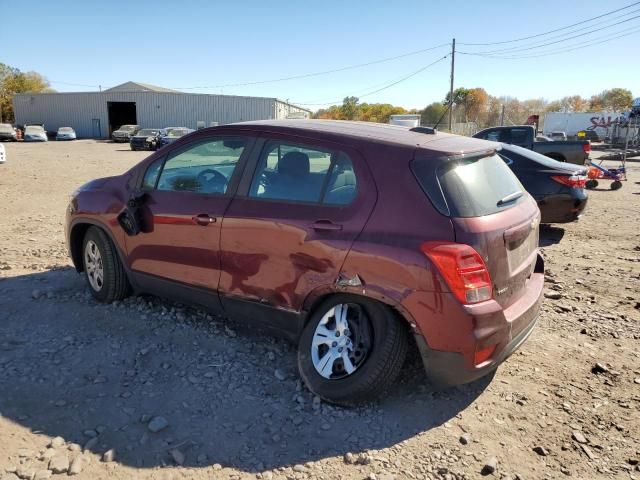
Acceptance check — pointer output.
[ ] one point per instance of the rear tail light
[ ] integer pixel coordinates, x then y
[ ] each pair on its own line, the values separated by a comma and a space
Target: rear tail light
586, 147
462, 268
571, 181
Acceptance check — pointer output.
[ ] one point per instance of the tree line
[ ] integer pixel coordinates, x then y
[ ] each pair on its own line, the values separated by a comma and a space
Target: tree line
13, 81
476, 105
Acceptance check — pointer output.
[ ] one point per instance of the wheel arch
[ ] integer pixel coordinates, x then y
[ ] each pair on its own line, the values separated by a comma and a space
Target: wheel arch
77, 232
318, 296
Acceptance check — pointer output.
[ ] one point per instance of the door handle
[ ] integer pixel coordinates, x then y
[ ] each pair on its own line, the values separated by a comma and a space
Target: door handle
203, 219
326, 226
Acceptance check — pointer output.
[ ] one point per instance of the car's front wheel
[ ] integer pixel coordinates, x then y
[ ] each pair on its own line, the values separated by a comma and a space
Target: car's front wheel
351, 350
104, 272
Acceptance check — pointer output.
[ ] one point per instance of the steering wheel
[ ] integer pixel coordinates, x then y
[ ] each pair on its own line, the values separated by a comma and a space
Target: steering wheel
213, 181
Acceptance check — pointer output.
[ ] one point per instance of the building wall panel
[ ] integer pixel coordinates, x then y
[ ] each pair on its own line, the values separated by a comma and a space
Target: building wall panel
153, 109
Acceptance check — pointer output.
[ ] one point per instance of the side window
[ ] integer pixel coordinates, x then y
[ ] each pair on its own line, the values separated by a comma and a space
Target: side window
493, 136
519, 136
151, 175
304, 174
205, 167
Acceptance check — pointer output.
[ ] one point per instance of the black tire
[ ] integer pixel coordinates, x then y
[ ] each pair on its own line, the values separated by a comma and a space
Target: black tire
115, 284
378, 370
616, 185
591, 184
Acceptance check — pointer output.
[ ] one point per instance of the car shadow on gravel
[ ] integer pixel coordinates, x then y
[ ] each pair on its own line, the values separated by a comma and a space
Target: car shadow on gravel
550, 235
95, 375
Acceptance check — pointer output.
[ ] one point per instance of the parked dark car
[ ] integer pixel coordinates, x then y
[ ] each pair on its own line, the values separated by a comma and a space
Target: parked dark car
124, 133
146, 139
7, 132
348, 238
558, 187
576, 152
174, 133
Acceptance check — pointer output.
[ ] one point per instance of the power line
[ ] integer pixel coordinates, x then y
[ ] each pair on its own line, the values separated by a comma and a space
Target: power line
395, 82
315, 74
564, 35
531, 47
553, 31
598, 41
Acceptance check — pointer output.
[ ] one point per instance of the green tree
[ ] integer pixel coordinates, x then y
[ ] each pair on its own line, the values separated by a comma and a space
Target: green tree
432, 113
617, 99
13, 81
350, 108
378, 112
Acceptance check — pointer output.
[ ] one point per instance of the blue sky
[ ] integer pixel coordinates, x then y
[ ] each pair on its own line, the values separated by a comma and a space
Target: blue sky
206, 43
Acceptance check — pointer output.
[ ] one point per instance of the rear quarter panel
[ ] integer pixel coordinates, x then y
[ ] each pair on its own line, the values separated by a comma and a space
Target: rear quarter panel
386, 255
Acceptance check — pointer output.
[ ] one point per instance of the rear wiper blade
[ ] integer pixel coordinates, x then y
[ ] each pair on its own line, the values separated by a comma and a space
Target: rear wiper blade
511, 197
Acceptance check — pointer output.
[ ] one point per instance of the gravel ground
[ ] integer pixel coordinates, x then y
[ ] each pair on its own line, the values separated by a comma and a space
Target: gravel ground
149, 389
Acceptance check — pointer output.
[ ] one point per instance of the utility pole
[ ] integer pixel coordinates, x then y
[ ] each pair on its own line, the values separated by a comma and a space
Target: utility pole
453, 63
502, 116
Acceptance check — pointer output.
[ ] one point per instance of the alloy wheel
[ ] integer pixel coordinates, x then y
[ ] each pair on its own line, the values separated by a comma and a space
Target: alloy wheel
93, 265
342, 341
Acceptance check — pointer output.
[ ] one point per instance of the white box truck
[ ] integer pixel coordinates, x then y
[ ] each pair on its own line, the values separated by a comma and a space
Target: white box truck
409, 120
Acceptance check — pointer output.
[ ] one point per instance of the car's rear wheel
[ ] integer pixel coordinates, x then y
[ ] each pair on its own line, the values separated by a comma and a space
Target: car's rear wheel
104, 272
351, 350
615, 185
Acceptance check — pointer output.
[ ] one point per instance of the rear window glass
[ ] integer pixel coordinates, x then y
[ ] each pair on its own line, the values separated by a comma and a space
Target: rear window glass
469, 187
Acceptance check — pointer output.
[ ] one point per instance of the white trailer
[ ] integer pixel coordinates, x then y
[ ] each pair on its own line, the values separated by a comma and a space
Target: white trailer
572, 123
409, 120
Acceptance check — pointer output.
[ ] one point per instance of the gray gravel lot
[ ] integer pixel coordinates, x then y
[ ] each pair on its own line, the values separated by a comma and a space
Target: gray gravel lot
151, 389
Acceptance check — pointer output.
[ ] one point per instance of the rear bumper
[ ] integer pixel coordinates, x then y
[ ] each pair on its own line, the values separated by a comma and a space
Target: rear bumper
449, 337
446, 369
562, 208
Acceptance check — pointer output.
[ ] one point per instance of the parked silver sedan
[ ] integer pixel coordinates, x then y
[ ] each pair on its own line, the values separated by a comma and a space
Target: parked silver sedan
35, 133
66, 133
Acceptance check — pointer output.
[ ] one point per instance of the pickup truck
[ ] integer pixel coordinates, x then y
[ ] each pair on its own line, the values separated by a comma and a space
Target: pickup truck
576, 152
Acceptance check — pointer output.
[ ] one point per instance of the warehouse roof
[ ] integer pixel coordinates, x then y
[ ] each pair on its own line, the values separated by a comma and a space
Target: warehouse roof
139, 87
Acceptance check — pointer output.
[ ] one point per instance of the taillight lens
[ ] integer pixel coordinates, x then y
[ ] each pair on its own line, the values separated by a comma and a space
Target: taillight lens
586, 147
571, 181
462, 268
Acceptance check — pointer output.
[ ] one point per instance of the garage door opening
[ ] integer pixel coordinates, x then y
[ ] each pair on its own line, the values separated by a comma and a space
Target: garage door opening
121, 113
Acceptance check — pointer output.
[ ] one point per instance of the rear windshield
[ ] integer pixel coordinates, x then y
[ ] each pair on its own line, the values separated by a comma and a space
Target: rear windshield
469, 187
5, 127
65, 130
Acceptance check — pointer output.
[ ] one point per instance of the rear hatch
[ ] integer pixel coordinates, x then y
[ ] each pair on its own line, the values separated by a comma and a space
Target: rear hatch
491, 211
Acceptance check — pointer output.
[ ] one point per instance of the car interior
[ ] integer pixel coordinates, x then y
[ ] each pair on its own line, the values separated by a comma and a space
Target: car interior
298, 174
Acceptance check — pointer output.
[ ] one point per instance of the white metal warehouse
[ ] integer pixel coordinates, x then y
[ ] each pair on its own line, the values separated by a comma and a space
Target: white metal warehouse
97, 114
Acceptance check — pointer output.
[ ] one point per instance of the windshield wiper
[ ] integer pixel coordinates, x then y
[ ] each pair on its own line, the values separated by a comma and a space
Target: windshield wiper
511, 197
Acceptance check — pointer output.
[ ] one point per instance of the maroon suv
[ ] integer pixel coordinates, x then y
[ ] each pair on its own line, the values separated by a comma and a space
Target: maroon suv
350, 238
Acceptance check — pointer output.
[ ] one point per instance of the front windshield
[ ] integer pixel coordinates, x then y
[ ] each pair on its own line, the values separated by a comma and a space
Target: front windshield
65, 130
127, 128
34, 129
5, 127
147, 133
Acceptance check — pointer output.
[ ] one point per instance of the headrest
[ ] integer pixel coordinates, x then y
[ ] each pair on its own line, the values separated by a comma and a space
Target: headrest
295, 164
